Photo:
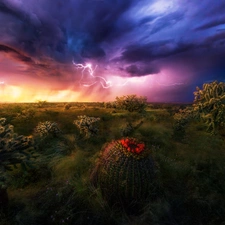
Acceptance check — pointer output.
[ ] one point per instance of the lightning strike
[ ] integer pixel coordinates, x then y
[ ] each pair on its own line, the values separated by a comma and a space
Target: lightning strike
88, 67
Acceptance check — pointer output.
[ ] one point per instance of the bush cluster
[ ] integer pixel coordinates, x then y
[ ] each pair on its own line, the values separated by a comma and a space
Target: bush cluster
132, 103
12, 146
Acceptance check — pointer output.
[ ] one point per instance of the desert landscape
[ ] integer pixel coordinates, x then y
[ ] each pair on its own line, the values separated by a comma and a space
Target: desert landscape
50, 151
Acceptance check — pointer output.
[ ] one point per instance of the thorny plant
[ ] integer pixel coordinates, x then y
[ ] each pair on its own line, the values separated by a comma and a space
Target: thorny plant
86, 126
14, 148
47, 128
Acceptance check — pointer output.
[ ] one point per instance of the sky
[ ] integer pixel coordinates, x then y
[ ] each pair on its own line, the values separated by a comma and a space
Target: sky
95, 50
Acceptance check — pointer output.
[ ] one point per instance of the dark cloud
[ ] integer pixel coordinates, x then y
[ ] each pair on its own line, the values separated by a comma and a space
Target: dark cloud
153, 51
166, 21
138, 70
218, 37
129, 38
213, 23
16, 54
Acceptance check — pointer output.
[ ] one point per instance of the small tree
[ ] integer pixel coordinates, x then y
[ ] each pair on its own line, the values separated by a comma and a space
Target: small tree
41, 104
131, 103
209, 104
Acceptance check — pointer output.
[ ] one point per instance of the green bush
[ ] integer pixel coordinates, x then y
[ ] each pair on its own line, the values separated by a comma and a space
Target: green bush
132, 103
13, 151
13, 147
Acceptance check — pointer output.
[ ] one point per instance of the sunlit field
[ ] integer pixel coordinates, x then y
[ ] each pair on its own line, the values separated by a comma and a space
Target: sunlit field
55, 188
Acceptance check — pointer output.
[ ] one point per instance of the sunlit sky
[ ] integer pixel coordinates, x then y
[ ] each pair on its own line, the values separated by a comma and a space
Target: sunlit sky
95, 50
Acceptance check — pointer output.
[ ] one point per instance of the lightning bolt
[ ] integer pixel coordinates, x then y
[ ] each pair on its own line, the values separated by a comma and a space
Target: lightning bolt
88, 67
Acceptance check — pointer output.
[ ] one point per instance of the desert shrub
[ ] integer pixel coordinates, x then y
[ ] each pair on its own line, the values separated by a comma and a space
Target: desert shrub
14, 150
129, 128
44, 129
86, 125
41, 103
162, 116
131, 103
209, 105
67, 106
13, 147
26, 114
181, 121
109, 105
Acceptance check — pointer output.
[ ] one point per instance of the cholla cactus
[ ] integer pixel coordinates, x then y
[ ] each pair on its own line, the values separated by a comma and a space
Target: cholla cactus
209, 104
14, 149
26, 114
47, 128
12, 146
125, 172
85, 125
127, 130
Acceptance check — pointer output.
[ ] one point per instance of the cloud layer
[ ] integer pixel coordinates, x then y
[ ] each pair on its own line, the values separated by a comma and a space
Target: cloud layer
179, 43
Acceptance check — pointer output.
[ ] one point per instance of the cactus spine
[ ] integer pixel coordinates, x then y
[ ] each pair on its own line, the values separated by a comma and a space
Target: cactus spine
125, 172
209, 104
13, 150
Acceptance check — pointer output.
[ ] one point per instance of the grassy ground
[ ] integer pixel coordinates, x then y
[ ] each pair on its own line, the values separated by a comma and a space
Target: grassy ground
190, 177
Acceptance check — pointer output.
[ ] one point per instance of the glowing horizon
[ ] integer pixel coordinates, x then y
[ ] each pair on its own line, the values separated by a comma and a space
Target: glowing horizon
118, 86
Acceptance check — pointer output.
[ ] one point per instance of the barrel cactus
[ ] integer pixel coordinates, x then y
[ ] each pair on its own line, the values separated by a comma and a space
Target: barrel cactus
125, 172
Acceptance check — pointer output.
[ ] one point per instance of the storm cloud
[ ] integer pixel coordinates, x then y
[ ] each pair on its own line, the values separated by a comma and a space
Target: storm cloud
132, 38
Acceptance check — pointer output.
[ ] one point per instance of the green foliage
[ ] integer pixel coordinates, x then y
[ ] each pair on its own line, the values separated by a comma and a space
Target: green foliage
13, 151
26, 114
129, 128
13, 147
110, 105
125, 172
85, 125
181, 121
131, 103
209, 104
